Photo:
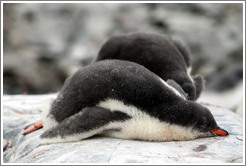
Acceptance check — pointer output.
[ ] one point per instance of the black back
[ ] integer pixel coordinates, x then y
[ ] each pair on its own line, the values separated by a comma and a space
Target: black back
133, 85
158, 53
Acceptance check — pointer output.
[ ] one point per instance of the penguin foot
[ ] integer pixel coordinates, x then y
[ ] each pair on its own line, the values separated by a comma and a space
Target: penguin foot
33, 127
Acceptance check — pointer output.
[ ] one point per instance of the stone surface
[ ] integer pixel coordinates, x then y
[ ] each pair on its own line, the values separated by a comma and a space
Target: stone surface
20, 111
44, 43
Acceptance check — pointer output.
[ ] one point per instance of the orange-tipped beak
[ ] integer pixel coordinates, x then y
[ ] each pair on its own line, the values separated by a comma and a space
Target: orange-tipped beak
34, 127
220, 132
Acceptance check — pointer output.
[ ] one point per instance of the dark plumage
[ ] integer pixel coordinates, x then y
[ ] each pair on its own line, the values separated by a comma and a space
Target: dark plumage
77, 108
167, 58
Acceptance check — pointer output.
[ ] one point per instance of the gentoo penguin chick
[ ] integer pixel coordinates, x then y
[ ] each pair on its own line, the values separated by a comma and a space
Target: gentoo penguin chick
167, 58
125, 100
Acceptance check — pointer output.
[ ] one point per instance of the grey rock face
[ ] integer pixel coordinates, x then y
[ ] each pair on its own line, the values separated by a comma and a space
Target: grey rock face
20, 111
45, 43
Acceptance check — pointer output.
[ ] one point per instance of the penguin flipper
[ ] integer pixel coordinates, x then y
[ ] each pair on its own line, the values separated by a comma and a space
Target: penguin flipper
86, 123
177, 87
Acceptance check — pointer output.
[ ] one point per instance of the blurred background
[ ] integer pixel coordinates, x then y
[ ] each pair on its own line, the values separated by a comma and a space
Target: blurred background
44, 43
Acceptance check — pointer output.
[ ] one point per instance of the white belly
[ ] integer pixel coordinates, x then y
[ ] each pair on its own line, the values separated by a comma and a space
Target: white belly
144, 127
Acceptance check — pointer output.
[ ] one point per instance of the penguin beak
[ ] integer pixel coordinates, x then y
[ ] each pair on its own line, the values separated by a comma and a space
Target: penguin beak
219, 132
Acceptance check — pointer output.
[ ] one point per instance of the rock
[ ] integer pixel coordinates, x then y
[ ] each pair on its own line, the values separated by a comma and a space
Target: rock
226, 89
205, 36
231, 98
239, 109
45, 43
226, 79
20, 111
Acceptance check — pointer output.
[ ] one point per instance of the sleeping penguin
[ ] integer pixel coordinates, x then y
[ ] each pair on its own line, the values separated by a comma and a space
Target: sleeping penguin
123, 99
167, 58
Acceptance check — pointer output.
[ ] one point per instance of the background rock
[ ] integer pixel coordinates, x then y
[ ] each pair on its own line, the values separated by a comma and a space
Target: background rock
24, 110
45, 43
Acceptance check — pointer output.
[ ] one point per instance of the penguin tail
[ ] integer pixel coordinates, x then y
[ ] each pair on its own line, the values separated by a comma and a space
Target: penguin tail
33, 127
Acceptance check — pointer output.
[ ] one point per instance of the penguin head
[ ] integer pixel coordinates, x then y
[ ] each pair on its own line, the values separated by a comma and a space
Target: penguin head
207, 125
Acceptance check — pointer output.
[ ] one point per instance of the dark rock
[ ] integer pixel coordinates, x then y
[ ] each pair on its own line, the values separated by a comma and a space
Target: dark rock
226, 79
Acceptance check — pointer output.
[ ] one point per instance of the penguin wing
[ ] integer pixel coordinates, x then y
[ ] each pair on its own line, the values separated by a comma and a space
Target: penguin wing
177, 87
86, 123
